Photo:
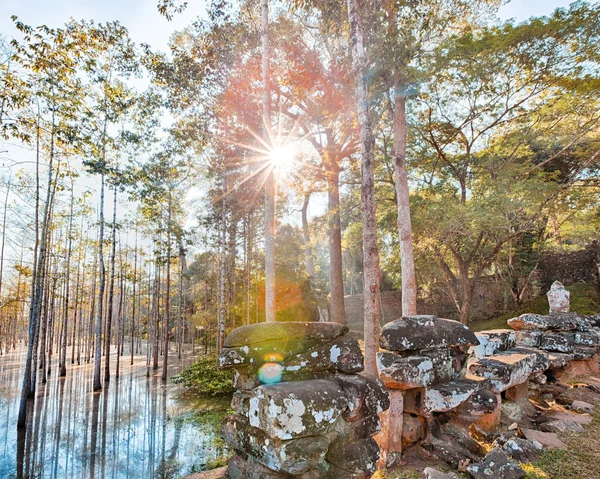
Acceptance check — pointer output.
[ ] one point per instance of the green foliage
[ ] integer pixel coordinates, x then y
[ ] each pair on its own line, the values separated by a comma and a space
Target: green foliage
203, 377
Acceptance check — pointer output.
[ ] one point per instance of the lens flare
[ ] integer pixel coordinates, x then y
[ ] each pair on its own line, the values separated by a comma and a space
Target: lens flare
273, 357
270, 373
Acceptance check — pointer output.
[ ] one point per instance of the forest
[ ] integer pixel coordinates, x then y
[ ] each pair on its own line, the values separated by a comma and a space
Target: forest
279, 158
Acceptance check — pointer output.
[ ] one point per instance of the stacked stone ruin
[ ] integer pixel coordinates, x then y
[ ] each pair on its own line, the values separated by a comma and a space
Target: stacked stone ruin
538, 347
424, 366
301, 407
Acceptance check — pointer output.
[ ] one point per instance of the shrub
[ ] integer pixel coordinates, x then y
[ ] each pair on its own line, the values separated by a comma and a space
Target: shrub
204, 377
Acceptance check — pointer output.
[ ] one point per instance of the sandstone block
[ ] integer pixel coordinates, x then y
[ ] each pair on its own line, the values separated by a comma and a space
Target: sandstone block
492, 342
415, 333
554, 322
360, 455
296, 409
296, 456
367, 395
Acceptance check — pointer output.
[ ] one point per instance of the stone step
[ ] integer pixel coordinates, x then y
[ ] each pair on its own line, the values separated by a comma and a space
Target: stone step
511, 367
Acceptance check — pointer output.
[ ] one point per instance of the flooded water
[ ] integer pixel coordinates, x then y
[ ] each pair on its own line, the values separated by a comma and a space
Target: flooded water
137, 427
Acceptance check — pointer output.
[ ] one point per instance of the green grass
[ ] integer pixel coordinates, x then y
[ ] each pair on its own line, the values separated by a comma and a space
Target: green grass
584, 299
580, 460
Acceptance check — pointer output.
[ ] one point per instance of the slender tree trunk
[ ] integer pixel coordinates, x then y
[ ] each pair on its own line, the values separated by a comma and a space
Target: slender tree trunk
99, 314
270, 184
111, 290
336, 277
133, 295
3, 236
222, 272
167, 294
63, 356
372, 274
308, 252
409, 283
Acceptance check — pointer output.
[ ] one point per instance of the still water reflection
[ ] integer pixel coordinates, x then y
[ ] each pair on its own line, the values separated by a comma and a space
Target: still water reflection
137, 427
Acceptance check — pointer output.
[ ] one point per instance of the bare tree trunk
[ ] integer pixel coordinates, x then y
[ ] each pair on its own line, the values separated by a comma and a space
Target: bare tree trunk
222, 271
270, 186
167, 295
3, 236
336, 276
63, 355
409, 283
372, 274
308, 252
111, 291
98, 330
135, 252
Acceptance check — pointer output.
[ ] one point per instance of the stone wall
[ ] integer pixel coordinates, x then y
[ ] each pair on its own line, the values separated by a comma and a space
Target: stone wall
491, 298
571, 267
301, 407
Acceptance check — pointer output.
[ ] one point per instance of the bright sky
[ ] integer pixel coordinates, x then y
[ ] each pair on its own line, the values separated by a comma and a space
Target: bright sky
147, 26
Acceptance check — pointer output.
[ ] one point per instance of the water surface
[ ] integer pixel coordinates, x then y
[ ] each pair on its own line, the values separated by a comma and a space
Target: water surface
137, 427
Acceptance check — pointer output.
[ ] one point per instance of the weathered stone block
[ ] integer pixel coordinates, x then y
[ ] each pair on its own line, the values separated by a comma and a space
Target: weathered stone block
583, 352
554, 322
367, 395
510, 368
359, 455
448, 396
414, 428
559, 298
267, 332
343, 354
296, 456
528, 338
296, 409
495, 465
415, 333
479, 404
558, 342
522, 450
492, 342
586, 339
430, 367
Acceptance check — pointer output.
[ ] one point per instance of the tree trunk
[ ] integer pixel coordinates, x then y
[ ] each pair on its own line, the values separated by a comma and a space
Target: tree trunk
409, 283
372, 275
167, 294
63, 356
270, 187
308, 252
222, 271
336, 276
111, 290
98, 330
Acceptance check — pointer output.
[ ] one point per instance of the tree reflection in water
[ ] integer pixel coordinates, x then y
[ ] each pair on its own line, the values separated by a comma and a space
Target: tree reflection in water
137, 427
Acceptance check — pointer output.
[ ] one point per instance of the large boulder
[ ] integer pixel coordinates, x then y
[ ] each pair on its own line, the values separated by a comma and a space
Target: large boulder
296, 409
415, 333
